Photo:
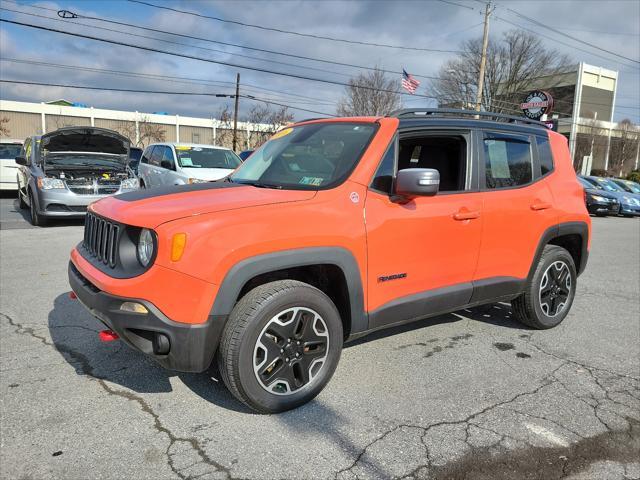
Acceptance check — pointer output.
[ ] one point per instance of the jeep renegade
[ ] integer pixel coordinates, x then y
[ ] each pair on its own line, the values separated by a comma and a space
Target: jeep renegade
335, 228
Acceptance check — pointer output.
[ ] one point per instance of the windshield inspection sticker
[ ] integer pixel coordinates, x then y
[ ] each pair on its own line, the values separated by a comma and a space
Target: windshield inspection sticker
315, 181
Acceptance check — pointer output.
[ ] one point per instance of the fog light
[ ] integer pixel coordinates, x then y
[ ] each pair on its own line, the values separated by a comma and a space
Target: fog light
133, 307
177, 246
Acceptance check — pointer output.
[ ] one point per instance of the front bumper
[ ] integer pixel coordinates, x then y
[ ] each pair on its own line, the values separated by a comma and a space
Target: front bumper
191, 346
626, 209
65, 203
603, 208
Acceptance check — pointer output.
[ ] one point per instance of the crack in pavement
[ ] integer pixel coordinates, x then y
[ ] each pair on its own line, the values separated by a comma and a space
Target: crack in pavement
597, 405
87, 369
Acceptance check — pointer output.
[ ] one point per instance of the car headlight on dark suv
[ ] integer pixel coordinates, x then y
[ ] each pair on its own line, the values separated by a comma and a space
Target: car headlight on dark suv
146, 247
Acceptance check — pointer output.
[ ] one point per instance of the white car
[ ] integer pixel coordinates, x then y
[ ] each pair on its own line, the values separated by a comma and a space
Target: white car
184, 163
9, 150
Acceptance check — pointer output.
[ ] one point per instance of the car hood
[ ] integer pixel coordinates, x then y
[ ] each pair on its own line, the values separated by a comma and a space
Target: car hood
206, 173
152, 207
87, 140
602, 193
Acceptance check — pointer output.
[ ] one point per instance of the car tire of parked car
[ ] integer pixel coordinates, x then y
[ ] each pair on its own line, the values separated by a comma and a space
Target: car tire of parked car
21, 203
279, 334
37, 220
549, 292
142, 185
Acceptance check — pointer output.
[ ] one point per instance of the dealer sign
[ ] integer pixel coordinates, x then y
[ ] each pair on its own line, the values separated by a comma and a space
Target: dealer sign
537, 104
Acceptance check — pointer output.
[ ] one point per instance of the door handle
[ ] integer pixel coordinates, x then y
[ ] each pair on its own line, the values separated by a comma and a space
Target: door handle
465, 215
540, 206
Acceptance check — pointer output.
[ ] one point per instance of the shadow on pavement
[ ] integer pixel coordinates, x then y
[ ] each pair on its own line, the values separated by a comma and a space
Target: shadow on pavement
74, 333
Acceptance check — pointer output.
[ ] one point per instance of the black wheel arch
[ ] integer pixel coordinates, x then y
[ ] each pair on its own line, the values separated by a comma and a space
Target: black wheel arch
572, 236
321, 267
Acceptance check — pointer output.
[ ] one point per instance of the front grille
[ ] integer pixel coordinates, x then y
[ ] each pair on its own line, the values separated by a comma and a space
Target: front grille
101, 239
100, 186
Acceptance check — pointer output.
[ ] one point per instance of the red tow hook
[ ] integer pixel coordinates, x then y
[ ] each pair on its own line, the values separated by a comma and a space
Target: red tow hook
72, 295
108, 336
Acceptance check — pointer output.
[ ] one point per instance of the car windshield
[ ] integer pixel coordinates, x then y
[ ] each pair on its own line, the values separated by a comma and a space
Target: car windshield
9, 151
631, 186
608, 185
586, 183
135, 154
203, 157
307, 157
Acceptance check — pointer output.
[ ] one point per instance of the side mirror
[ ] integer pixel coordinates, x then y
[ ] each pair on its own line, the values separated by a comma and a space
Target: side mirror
20, 160
167, 164
416, 182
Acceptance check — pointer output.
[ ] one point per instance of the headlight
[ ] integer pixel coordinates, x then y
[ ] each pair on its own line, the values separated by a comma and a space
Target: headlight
598, 198
129, 184
50, 183
197, 180
145, 247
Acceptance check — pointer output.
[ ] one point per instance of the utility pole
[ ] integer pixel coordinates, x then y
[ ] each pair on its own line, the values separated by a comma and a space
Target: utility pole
235, 113
483, 59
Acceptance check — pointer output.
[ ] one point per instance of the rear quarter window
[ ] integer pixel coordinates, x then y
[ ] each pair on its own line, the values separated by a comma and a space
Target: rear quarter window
545, 157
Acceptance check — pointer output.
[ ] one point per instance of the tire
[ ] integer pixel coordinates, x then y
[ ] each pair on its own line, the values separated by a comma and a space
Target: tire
142, 185
37, 220
245, 362
21, 203
545, 303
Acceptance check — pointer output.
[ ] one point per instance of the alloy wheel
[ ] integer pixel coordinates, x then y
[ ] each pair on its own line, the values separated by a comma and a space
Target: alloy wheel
291, 350
555, 288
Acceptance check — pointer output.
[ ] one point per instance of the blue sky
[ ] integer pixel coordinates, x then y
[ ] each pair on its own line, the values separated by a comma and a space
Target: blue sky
613, 25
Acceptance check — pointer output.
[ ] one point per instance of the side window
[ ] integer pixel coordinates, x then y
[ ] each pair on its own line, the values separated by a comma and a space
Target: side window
444, 152
156, 155
145, 155
544, 155
168, 156
507, 161
383, 178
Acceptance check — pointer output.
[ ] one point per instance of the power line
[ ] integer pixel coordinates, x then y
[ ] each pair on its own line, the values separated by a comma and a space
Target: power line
290, 32
218, 62
165, 78
575, 39
193, 37
161, 92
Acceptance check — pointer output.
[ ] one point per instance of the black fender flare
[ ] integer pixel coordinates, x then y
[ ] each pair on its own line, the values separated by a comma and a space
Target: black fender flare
238, 275
559, 230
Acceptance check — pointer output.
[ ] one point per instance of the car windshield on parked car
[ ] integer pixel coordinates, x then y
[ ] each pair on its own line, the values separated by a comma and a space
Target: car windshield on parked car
203, 157
308, 157
605, 184
9, 151
628, 185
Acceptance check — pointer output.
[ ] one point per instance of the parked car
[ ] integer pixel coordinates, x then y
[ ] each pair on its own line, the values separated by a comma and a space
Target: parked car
599, 202
629, 202
9, 150
274, 268
183, 163
62, 172
135, 154
627, 185
245, 154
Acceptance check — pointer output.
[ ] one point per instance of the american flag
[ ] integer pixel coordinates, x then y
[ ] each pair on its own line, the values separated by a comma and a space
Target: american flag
409, 83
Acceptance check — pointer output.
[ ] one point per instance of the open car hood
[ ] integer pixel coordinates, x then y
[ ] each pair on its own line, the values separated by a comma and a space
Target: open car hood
86, 139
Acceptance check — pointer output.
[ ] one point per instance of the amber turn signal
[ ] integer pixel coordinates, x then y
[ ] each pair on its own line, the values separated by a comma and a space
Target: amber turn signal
177, 246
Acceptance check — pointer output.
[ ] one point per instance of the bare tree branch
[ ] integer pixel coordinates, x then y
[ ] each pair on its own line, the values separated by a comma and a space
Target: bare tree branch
4, 128
379, 97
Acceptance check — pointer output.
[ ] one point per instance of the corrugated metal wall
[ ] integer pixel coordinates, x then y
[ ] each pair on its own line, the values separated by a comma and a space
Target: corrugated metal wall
22, 125
54, 122
196, 135
128, 129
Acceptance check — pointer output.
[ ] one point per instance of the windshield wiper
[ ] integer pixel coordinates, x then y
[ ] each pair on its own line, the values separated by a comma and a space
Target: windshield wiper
261, 185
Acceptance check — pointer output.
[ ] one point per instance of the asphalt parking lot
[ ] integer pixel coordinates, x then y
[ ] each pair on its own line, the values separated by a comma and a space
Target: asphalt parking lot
468, 395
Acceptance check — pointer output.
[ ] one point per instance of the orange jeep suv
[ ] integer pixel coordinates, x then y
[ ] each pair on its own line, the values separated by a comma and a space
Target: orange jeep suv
335, 228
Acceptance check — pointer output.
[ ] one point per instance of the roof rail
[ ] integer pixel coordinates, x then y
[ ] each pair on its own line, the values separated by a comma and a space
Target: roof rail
424, 112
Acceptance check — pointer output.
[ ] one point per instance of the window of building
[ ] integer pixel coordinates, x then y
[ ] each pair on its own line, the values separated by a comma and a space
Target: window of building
507, 161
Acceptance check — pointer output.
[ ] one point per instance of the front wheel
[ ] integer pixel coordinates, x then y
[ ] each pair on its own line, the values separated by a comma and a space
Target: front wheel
549, 293
37, 220
280, 346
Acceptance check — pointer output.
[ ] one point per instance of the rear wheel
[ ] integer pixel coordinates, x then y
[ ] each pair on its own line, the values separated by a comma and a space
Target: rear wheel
549, 292
280, 346
142, 185
37, 220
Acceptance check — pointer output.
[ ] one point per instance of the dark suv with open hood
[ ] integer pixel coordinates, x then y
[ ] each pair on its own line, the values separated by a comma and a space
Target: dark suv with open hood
64, 171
